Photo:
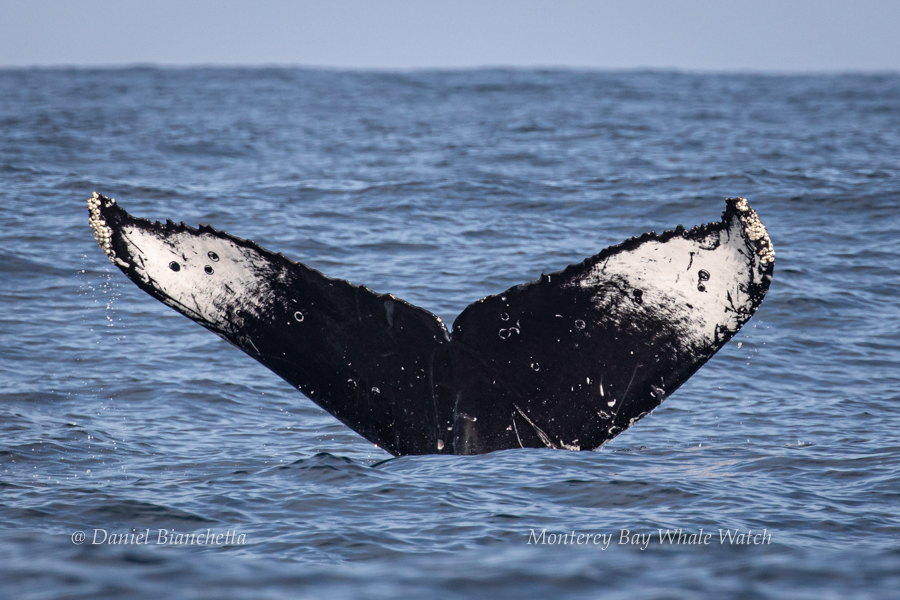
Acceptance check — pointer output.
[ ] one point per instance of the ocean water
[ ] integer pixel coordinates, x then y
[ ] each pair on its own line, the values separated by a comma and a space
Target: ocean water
119, 416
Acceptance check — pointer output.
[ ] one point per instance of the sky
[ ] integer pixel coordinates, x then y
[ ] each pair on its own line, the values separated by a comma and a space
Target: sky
692, 35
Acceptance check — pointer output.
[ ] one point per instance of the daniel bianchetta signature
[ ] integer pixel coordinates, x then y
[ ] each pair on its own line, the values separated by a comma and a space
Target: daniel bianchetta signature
159, 537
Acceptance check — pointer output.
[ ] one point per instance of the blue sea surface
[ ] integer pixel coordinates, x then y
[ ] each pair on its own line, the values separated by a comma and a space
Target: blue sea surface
120, 416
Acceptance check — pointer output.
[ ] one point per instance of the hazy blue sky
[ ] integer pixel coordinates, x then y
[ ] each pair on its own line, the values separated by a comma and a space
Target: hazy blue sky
787, 35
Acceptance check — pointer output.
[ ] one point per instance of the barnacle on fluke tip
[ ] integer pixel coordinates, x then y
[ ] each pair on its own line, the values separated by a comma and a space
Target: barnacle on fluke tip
566, 361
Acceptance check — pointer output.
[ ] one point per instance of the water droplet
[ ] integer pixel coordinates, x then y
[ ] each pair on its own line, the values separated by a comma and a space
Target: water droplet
535, 366
440, 444
638, 296
208, 269
213, 256
701, 287
504, 317
375, 390
299, 316
504, 333
740, 344
174, 266
352, 384
579, 324
703, 275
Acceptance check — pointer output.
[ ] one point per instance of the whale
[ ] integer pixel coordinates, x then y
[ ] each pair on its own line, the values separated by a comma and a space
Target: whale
567, 361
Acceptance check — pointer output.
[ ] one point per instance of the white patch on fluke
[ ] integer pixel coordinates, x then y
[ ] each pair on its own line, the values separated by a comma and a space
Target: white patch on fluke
700, 282
220, 292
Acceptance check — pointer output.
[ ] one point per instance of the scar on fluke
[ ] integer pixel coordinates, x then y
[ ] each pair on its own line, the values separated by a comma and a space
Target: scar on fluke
568, 361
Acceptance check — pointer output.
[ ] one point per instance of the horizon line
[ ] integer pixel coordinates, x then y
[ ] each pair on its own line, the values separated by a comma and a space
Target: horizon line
139, 65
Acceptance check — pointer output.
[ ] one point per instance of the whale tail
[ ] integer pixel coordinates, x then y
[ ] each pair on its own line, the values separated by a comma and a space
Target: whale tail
566, 361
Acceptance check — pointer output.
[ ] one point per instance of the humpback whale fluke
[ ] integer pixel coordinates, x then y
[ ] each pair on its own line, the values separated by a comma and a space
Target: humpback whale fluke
567, 361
